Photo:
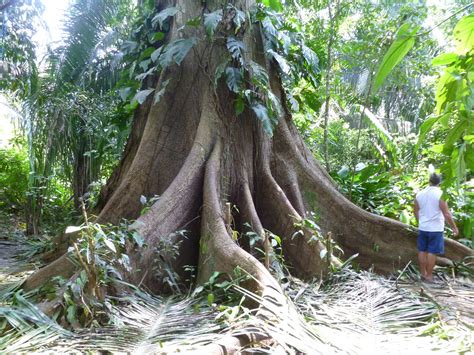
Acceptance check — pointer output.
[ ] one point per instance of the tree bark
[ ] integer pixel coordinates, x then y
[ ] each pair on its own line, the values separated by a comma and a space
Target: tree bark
193, 151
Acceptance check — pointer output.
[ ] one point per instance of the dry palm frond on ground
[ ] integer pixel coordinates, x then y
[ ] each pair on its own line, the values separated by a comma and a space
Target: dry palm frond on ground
352, 313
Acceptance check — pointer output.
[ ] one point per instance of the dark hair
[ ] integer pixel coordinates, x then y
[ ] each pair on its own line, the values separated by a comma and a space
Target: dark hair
435, 179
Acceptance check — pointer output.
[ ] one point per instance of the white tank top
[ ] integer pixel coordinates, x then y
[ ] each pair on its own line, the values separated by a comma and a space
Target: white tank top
431, 218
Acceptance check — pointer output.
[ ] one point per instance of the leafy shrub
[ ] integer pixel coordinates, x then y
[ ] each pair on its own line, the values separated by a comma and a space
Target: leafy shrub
387, 193
14, 171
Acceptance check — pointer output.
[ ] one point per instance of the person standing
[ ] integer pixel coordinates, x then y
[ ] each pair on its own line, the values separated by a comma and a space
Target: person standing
431, 212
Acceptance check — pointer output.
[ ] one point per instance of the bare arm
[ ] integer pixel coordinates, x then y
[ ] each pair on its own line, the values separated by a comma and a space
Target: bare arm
443, 205
417, 211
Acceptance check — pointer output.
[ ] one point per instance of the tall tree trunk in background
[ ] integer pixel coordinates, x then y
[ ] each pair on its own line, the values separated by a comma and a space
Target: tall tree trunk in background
193, 151
332, 29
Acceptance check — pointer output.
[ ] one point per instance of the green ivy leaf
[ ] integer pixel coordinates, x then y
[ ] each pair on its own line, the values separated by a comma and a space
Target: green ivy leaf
270, 31
259, 75
163, 15
161, 93
238, 19
138, 239
211, 21
282, 63
142, 95
156, 54
261, 112
220, 70
176, 51
236, 49
233, 79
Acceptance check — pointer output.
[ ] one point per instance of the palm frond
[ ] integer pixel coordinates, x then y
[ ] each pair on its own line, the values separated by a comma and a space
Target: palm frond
370, 313
350, 313
90, 34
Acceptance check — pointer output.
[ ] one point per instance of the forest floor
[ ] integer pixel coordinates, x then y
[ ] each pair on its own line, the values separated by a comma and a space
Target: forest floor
362, 320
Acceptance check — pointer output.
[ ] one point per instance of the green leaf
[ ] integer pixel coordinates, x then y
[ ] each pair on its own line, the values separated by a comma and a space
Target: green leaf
273, 4
163, 15
405, 217
176, 51
138, 239
259, 75
455, 134
233, 79
211, 21
444, 120
239, 105
311, 59
323, 253
382, 133
145, 74
210, 299
464, 34
110, 244
261, 112
142, 95
146, 54
276, 238
273, 103
71, 314
344, 171
282, 63
444, 59
160, 93
144, 64
156, 54
236, 49
238, 19
402, 44
449, 90
425, 129
220, 70
270, 31
157, 36
124, 93
437, 148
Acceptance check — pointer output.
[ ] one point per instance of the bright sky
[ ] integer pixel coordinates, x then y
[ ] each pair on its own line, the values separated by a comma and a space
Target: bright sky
53, 15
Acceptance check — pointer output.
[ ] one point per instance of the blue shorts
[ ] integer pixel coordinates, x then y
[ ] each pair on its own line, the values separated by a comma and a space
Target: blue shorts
431, 242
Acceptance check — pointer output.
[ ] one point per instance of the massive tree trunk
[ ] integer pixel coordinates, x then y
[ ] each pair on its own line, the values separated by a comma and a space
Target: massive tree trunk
193, 151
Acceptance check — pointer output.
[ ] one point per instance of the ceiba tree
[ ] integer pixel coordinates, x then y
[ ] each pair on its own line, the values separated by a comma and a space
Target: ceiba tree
218, 133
